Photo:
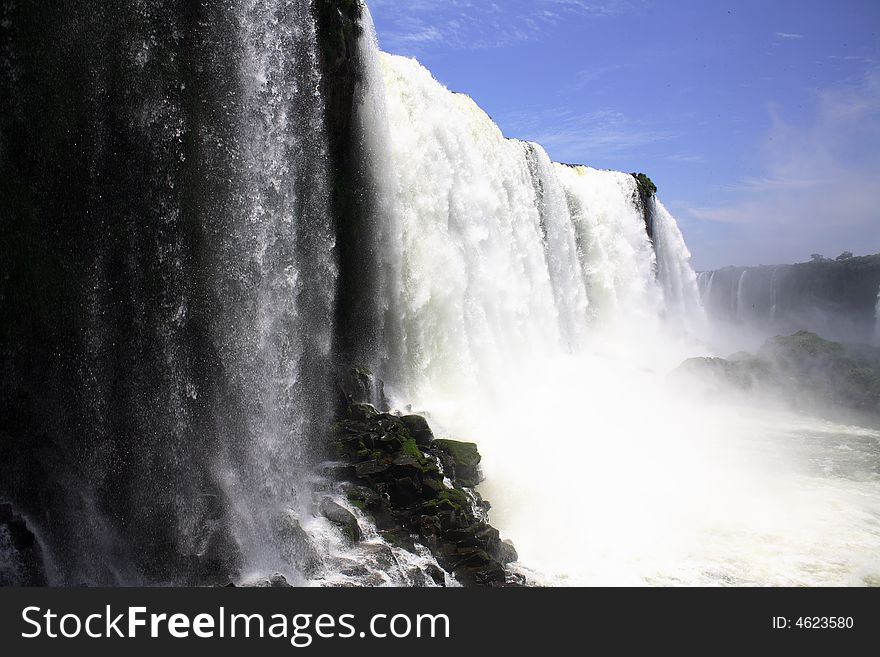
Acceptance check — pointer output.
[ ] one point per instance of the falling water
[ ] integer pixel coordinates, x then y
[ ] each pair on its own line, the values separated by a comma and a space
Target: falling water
520, 302
877, 319
741, 296
536, 319
274, 335
680, 290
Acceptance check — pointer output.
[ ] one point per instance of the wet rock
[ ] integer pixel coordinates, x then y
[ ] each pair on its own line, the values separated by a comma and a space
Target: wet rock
341, 517
296, 546
507, 552
371, 468
362, 412
419, 429
279, 581
358, 385
396, 477
466, 458
436, 574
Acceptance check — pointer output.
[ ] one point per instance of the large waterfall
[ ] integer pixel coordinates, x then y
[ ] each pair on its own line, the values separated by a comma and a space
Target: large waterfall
528, 311
211, 210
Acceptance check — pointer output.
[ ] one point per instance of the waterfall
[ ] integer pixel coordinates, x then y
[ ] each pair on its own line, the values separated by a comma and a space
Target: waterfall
680, 289
740, 311
180, 261
877, 319
216, 206
835, 299
519, 290
493, 256
276, 270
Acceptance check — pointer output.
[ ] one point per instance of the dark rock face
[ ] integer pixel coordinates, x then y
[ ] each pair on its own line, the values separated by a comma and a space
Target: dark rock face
419, 428
358, 385
130, 137
358, 315
463, 461
399, 480
646, 190
21, 560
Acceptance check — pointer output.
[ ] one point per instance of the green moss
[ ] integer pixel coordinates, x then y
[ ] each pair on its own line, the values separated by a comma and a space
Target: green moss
410, 448
647, 188
464, 454
453, 499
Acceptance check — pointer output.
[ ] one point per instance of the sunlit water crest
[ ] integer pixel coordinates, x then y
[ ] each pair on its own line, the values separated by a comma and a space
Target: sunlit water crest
536, 318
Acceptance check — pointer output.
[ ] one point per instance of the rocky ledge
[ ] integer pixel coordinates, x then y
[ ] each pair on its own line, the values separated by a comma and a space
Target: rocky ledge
421, 489
810, 373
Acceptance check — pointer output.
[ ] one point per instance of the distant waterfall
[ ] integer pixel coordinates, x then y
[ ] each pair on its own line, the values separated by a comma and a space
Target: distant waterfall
877, 318
835, 299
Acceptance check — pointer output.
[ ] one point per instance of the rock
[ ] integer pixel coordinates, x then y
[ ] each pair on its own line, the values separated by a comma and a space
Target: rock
466, 458
296, 546
362, 412
395, 476
359, 385
341, 517
507, 552
279, 581
362, 497
371, 468
419, 429
436, 574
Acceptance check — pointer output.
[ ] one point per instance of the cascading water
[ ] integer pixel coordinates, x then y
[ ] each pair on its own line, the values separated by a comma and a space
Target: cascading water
877, 320
741, 311
536, 319
274, 336
834, 298
680, 289
207, 251
186, 241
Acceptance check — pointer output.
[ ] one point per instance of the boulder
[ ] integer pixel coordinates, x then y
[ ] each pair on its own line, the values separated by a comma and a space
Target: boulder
341, 517
466, 458
419, 429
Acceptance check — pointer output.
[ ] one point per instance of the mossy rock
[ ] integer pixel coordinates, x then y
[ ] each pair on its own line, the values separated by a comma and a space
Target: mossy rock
647, 188
466, 458
451, 498
419, 429
411, 448
362, 412
465, 454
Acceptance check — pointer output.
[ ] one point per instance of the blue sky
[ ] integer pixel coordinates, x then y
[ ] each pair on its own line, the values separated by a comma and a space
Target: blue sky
758, 120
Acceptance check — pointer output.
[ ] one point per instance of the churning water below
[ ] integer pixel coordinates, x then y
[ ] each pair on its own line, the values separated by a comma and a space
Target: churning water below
603, 473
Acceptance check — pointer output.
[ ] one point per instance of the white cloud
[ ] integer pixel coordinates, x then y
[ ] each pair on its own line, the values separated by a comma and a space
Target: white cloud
412, 26
789, 35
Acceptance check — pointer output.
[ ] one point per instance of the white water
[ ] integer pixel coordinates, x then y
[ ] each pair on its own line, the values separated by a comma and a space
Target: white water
278, 272
741, 296
681, 293
877, 318
532, 321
